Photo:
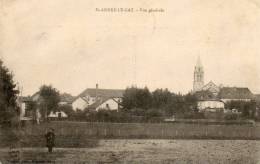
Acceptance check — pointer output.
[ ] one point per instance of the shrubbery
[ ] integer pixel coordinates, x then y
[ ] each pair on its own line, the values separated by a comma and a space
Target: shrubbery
114, 116
231, 116
246, 108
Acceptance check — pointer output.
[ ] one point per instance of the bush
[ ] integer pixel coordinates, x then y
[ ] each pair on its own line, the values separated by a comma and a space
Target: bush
67, 109
138, 112
231, 116
153, 113
194, 115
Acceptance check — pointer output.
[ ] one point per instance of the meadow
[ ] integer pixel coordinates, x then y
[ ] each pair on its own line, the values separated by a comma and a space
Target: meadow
86, 134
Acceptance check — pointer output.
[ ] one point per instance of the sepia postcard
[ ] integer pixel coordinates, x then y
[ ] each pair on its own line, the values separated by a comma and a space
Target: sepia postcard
130, 81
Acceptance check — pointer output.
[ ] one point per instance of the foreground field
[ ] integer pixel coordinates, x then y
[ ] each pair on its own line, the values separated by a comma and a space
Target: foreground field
148, 151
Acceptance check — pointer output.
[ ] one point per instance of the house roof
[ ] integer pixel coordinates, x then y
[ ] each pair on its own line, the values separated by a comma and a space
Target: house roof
218, 100
235, 93
98, 103
211, 86
24, 99
204, 95
105, 93
65, 97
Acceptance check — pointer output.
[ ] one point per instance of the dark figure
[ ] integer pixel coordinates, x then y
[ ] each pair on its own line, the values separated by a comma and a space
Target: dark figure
50, 137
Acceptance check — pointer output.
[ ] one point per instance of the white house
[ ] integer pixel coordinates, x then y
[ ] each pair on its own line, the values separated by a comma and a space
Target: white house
210, 105
59, 114
96, 98
79, 104
106, 104
22, 103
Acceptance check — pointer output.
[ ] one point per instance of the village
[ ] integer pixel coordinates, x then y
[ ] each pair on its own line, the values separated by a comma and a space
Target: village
212, 101
129, 82
116, 125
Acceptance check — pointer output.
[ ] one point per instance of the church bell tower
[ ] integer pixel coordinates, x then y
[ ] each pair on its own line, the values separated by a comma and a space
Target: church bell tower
198, 81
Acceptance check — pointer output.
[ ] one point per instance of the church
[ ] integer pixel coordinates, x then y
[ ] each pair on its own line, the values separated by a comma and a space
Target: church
213, 97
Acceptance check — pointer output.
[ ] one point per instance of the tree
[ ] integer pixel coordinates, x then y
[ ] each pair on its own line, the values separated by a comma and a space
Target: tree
137, 98
161, 97
67, 109
49, 100
8, 96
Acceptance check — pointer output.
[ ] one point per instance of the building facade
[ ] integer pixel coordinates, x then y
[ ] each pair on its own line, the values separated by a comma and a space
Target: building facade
95, 98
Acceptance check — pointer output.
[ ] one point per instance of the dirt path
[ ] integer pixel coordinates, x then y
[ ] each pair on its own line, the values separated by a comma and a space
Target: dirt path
150, 151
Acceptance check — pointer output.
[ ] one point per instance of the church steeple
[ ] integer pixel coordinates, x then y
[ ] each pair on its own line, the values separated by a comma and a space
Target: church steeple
198, 81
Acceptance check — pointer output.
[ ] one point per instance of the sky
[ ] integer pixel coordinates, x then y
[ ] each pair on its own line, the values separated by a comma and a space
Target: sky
68, 44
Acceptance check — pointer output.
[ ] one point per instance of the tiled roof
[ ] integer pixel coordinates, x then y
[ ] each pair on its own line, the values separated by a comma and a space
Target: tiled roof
105, 93
24, 99
235, 93
65, 97
205, 95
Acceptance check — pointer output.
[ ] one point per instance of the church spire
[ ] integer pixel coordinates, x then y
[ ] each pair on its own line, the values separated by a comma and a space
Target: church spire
198, 81
198, 62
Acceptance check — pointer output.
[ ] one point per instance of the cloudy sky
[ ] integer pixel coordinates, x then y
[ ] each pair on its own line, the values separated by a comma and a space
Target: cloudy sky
68, 44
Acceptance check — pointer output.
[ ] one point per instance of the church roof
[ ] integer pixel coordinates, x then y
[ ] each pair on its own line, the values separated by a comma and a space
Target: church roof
210, 86
235, 93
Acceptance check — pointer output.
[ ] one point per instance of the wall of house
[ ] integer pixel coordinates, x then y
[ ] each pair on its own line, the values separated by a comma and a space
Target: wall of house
228, 100
22, 109
56, 114
110, 104
79, 104
210, 104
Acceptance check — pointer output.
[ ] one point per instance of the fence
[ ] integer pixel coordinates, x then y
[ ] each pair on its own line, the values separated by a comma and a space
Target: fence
147, 130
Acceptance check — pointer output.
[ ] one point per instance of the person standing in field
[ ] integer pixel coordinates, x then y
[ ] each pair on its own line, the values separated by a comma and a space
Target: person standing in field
50, 137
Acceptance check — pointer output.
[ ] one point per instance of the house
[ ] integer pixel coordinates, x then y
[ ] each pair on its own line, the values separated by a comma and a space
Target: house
59, 114
211, 87
106, 104
227, 94
35, 97
257, 99
98, 98
66, 99
23, 103
211, 105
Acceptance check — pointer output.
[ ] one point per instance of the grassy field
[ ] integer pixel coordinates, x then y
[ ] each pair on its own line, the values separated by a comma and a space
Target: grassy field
133, 143
83, 134
148, 151
148, 130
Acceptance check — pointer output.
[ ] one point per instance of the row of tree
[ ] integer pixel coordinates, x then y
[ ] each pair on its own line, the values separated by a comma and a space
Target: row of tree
138, 100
